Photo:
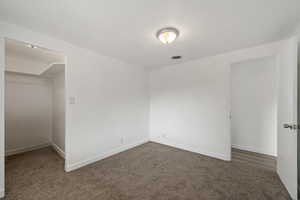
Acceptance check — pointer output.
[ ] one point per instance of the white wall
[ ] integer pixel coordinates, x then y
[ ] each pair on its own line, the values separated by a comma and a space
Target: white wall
110, 111
190, 102
58, 91
293, 30
2, 136
28, 112
111, 107
254, 105
19, 58
189, 107
17, 63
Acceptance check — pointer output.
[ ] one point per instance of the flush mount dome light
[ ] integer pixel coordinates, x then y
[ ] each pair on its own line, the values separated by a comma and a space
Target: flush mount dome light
167, 35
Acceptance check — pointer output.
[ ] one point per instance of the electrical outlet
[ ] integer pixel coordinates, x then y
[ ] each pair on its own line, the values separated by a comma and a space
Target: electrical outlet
122, 140
164, 135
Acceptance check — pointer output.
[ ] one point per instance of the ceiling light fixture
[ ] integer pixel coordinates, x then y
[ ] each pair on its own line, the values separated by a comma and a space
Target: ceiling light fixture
31, 46
167, 35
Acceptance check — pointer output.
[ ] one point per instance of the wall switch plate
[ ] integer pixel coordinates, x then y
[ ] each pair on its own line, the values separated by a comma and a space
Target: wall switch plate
71, 100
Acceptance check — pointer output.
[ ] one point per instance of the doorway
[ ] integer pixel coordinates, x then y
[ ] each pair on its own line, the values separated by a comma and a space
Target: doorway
34, 101
254, 112
298, 120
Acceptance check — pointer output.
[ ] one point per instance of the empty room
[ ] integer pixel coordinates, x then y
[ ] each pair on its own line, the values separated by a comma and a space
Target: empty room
149, 100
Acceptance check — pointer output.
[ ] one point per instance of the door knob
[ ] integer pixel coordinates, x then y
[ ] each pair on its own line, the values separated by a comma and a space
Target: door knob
287, 126
291, 126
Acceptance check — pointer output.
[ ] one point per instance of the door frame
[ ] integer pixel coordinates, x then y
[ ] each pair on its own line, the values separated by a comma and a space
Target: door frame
2, 107
276, 66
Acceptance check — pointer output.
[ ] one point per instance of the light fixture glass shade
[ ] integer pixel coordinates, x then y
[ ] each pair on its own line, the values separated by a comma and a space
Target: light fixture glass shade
167, 35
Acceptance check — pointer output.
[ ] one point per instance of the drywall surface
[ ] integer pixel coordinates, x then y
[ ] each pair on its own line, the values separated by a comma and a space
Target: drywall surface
2, 137
290, 31
58, 92
190, 102
189, 108
254, 105
107, 101
109, 109
22, 64
20, 58
28, 112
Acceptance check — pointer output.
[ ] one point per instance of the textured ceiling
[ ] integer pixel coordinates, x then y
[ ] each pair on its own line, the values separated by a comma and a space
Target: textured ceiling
20, 58
126, 29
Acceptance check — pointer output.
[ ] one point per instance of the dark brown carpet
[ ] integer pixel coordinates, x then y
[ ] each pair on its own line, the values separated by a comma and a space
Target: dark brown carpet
150, 171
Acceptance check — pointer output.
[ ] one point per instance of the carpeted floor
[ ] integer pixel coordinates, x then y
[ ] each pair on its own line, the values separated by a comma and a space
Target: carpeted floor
148, 172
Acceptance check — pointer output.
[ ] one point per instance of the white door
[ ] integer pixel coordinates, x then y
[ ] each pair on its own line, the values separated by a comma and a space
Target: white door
287, 116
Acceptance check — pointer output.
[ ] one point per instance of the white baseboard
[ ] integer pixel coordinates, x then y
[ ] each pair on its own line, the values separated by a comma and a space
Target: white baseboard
252, 150
117, 150
58, 150
26, 149
193, 149
1, 193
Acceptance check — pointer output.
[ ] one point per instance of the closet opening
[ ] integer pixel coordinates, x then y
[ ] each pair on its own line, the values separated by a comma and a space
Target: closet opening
253, 114
34, 107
